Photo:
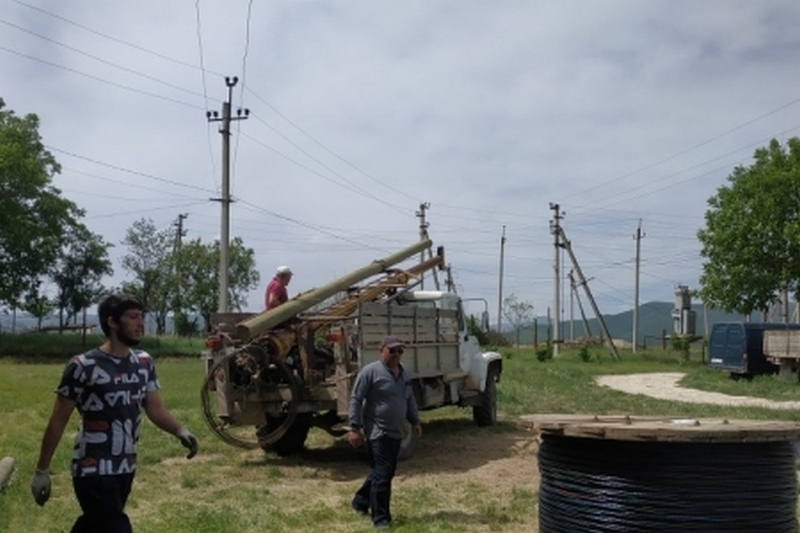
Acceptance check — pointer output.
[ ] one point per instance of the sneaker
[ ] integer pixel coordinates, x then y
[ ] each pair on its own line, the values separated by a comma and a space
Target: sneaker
382, 525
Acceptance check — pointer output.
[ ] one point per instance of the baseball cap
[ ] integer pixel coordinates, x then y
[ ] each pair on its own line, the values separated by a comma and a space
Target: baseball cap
284, 270
391, 341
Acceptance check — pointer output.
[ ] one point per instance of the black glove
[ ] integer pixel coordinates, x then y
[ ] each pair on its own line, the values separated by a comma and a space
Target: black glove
40, 486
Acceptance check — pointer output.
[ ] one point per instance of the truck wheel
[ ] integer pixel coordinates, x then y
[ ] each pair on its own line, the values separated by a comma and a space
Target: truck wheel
485, 413
407, 443
295, 437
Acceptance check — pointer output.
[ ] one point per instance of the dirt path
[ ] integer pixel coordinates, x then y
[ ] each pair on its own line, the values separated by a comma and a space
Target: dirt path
664, 386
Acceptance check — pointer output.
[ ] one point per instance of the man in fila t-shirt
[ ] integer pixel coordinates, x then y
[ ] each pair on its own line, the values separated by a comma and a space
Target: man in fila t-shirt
111, 387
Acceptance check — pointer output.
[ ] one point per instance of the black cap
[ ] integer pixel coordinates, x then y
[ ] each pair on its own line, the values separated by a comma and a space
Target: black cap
391, 341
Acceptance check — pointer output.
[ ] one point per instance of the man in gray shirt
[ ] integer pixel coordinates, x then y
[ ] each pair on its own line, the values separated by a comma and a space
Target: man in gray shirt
381, 402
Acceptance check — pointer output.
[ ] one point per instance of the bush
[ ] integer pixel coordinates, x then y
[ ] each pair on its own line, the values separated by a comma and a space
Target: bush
584, 354
544, 352
494, 338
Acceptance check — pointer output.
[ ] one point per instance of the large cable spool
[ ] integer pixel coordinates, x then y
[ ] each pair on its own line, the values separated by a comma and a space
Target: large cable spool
647, 474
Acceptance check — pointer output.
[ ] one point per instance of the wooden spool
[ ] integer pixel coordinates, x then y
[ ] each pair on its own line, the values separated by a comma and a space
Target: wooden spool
662, 429
6, 469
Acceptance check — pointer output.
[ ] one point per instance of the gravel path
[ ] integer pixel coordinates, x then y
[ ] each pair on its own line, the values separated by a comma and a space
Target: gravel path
664, 386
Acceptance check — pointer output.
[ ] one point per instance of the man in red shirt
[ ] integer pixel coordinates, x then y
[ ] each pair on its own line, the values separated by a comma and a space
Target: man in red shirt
276, 293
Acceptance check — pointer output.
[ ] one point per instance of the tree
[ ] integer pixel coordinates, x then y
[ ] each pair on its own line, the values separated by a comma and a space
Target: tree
751, 240
38, 306
199, 282
81, 264
518, 313
33, 215
149, 259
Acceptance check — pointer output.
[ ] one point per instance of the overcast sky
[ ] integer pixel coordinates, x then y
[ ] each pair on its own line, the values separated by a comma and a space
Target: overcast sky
619, 111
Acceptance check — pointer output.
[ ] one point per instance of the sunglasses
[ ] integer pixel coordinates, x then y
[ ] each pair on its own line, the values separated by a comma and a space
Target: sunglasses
396, 351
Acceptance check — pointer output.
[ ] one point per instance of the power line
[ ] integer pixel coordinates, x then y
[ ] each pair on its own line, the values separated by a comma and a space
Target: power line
97, 78
100, 59
127, 170
334, 154
351, 187
205, 90
244, 82
313, 227
136, 211
110, 37
691, 148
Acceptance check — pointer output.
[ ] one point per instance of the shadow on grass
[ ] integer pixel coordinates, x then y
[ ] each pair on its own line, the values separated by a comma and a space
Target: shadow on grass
447, 445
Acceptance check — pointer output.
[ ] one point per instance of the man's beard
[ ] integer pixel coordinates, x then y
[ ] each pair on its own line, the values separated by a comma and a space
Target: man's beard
126, 340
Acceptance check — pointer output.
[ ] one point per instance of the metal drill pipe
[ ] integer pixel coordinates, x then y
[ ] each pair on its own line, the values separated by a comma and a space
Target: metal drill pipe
257, 325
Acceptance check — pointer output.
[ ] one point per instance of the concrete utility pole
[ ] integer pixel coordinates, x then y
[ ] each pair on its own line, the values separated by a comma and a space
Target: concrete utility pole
180, 233
423, 234
555, 229
571, 307
500, 291
225, 199
638, 237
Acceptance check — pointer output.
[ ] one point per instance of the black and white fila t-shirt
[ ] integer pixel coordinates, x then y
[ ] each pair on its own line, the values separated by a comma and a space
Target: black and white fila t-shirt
109, 393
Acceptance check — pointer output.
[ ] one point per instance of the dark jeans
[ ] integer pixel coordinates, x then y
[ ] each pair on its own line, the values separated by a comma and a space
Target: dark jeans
102, 500
375, 493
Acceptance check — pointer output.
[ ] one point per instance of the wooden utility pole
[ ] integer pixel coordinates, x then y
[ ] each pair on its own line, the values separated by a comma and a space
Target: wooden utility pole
225, 199
638, 237
500, 290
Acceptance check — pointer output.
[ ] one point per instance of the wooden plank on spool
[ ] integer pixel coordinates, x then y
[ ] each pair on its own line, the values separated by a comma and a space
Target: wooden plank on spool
662, 429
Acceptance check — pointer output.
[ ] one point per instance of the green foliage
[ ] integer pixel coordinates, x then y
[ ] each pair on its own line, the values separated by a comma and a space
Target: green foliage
751, 240
184, 327
584, 353
82, 262
199, 276
544, 352
474, 329
38, 306
149, 259
33, 215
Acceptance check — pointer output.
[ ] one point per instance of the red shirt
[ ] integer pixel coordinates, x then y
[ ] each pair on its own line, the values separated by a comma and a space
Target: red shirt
278, 292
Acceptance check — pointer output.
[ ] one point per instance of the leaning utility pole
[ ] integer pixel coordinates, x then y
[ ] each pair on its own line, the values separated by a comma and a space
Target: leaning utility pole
586, 331
582, 281
555, 228
638, 237
500, 291
225, 199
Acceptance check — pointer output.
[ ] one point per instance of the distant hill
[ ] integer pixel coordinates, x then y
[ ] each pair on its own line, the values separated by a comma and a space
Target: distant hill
654, 318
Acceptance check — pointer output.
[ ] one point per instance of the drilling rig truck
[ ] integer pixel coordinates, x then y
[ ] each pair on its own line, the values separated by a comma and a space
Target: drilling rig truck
272, 376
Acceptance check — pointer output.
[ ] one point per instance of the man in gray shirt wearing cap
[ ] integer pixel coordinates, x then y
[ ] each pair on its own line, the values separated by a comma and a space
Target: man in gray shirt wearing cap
381, 402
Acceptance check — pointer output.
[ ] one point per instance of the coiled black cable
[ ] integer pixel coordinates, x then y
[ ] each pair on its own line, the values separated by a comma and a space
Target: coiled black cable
595, 485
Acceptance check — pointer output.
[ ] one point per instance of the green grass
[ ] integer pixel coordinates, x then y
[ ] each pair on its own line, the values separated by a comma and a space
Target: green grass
449, 486
65, 345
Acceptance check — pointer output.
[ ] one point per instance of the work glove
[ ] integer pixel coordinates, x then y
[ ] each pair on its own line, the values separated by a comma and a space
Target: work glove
188, 441
40, 486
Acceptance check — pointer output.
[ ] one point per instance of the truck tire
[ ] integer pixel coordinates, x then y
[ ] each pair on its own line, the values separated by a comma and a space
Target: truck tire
294, 439
408, 443
485, 413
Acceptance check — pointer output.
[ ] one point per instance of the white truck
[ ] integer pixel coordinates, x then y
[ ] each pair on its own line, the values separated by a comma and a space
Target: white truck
293, 367
781, 346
